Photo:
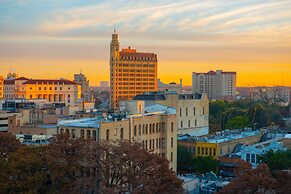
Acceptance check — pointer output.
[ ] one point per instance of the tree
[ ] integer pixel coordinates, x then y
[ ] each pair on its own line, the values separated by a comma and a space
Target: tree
26, 170
8, 144
279, 160
67, 161
124, 166
238, 122
184, 160
258, 180
205, 164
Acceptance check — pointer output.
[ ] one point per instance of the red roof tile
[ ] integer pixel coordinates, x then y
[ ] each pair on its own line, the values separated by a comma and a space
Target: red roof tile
131, 54
47, 81
22, 78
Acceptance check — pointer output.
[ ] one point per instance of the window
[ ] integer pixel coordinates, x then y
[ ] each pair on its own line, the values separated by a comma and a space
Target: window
56, 88
88, 134
163, 142
206, 151
171, 156
253, 158
214, 151
203, 110
186, 111
107, 134
39, 88
150, 144
44, 88
121, 133
180, 112
153, 143
198, 150
210, 151
195, 122
139, 130
202, 150
248, 157
172, 126
194, 111
172, 142
146, 144
189, 123
73, 133
61, 88
134, 132
82, 133
181, 124
157, 143
153, 125
94, 135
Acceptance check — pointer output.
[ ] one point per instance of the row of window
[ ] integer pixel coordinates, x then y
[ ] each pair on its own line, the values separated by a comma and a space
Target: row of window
193, 112
150, 128
206, 151
154, 143
189, 123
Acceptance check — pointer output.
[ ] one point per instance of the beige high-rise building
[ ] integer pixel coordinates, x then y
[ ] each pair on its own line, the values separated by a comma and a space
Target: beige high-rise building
1, 87
216, 85
131, 72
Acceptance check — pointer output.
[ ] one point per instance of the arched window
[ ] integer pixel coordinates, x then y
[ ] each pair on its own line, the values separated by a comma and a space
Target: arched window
88, 134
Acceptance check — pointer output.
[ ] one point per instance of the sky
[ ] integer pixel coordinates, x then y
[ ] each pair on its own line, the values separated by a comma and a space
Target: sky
55, 39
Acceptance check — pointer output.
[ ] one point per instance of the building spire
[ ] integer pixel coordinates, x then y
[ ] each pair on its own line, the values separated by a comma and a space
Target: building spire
114, 30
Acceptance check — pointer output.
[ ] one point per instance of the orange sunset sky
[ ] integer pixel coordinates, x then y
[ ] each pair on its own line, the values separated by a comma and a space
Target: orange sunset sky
53, 39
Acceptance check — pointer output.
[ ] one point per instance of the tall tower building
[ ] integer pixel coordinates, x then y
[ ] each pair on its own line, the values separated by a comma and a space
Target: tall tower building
86, 93
131, 72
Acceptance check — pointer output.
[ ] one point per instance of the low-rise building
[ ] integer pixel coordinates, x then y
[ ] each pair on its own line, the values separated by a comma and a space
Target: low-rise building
156, 131
4, 122
219, 145
53, 91
277, 94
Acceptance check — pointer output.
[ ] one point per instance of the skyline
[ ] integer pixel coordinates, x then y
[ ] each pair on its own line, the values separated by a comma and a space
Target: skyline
249, 37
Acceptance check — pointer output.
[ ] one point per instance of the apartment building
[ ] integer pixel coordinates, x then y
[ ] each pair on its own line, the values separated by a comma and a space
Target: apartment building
216, 85
155, 131
192, 110
131, 72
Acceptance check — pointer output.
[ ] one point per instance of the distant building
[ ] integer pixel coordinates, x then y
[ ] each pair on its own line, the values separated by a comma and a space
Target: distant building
53, 91
277, 94
216, 85
170, 87
156, 131
131, 72
192, 110
1, 87
104, 86
86, 93
12, 75
4, 120
219, 145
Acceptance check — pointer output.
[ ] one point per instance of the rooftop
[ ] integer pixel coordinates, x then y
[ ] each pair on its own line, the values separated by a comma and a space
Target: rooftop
48, 81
